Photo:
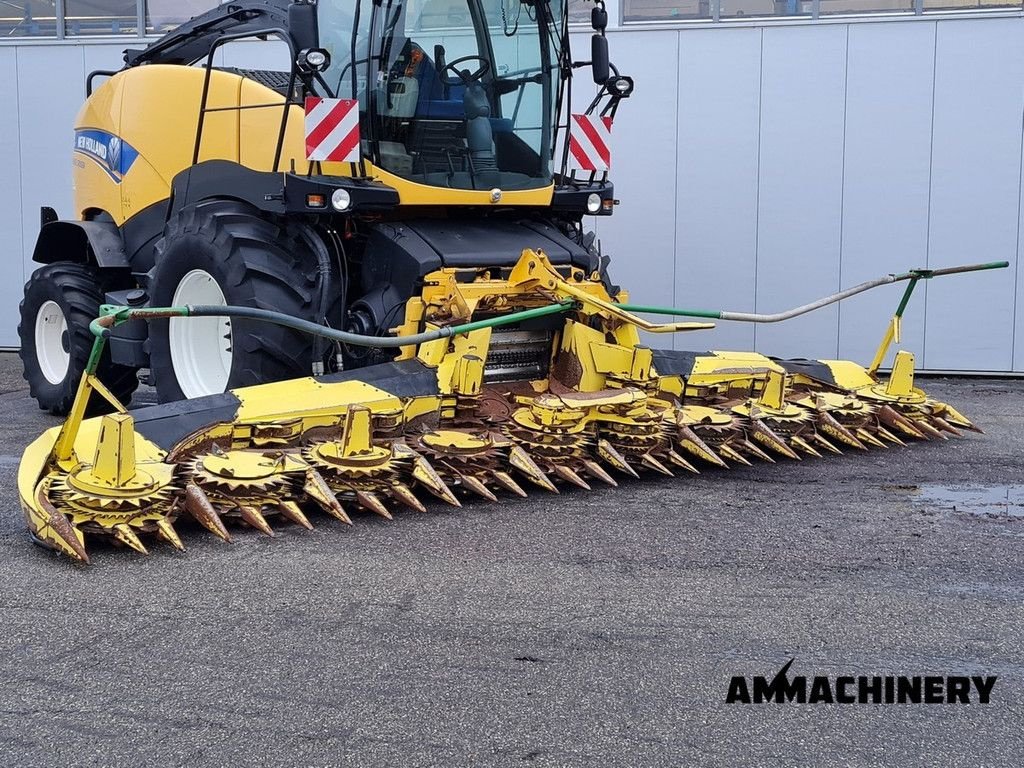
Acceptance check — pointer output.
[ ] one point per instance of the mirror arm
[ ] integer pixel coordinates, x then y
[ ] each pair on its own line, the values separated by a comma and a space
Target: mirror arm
599, 17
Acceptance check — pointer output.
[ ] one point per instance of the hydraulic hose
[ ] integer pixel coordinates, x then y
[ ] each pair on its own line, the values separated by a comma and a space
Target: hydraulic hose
323, 261
113, 315
101, 326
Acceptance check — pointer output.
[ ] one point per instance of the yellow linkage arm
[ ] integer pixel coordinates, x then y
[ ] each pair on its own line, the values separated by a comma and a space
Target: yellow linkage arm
534, 270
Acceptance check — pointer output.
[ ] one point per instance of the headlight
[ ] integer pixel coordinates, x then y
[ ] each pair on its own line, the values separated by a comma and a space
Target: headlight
341, 200
313, 60
621, 86
593, 203
317, 59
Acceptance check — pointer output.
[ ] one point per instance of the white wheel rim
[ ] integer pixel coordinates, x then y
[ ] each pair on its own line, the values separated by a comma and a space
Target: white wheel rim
200, 346
51, 327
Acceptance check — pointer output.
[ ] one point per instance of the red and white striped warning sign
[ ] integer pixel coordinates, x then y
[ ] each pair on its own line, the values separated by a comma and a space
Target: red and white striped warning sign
332, 130
590, 140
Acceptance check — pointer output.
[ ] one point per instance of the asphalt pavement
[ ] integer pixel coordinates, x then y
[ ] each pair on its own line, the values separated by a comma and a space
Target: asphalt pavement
589, 629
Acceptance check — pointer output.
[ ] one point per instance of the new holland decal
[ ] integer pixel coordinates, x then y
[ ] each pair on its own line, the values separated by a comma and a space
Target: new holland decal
110, 152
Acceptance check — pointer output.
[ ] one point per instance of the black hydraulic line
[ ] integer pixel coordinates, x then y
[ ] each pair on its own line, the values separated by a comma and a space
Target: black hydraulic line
323, 262
360, 340
113, 316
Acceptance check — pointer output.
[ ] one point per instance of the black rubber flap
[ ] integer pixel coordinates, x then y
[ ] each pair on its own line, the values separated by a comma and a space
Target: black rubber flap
814, 369
406, 378
675, 362
169, 423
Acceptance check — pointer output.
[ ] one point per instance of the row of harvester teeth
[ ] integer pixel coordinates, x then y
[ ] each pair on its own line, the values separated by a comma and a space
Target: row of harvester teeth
793, 425
476, 461
250, 486
357, 469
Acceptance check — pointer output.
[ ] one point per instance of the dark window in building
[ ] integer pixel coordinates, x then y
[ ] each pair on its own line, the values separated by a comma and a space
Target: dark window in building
101, 17
579, 11
738, 9
164, 15
967, 5
666, 10
36, 18
832, 7
695, 10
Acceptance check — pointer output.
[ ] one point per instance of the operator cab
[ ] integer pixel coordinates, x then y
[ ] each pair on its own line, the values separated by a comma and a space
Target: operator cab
463, 91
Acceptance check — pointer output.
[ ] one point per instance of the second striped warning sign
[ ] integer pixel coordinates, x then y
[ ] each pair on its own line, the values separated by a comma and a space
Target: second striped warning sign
590, 142
332, 130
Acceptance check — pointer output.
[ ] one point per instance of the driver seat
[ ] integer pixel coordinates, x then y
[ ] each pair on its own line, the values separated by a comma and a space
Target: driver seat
479, 133
446, 113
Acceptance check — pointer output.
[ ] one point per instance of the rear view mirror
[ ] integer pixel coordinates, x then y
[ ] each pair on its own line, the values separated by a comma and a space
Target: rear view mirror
599, 58
302, 26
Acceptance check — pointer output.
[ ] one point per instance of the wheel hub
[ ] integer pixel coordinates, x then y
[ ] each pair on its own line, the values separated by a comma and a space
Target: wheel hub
201, 348
52, 344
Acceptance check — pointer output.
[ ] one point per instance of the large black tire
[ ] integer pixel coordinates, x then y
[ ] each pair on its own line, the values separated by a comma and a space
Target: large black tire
75, 289
256, 262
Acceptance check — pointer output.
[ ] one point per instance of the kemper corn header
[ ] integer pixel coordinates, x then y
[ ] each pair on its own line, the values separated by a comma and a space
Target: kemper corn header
364, 280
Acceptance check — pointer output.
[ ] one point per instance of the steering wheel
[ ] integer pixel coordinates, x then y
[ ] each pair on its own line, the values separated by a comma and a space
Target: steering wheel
465, 75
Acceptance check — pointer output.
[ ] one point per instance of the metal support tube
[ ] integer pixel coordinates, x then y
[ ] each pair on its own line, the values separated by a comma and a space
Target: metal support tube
750, 317
778, 317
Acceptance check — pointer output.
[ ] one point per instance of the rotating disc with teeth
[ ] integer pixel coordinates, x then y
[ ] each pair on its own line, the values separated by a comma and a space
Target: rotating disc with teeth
784, 429
842, 418
558, 442
242, 475
363, 476
476, 460
93, 505
907, 410
711, 434
638, 440
245, 486
915, 415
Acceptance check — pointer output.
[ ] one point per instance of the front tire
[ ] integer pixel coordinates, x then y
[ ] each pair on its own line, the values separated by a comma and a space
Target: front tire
226, 253
60, 301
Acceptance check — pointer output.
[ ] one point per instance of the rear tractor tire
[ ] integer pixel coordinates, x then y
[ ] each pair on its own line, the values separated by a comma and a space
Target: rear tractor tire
227, 253
60, 301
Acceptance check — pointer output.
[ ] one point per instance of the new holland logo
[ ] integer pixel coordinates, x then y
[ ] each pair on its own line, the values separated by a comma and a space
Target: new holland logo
862, 689
109, 152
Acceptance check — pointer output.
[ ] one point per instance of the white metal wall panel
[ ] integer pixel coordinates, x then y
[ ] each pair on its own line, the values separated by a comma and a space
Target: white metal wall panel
1018, 331
885, 177
108, 57
10, 201
716, 209
641, 235
803, 85
272, 55
50, 92
975, 191
787, 161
